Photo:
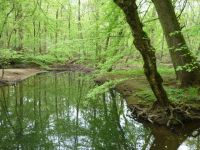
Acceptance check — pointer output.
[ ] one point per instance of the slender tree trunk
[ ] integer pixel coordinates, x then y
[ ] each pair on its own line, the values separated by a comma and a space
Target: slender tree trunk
56, 34
9, 38
98, 47
40, 30
20, 27
40, 37
179, 51
45, 38
45, 32
69, 21
34, 37
142, 43
15, 28
5, 21
80, 34
79, 20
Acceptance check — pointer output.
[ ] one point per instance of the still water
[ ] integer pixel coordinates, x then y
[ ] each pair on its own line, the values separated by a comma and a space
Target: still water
51, 112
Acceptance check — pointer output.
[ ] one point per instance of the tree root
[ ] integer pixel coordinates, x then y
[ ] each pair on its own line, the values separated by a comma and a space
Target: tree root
171, 116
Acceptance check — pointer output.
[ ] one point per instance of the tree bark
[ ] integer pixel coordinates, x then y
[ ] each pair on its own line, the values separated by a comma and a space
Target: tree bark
79, 20
179, 51
56, 33
34, 37
5, 21
20, 27
142, 43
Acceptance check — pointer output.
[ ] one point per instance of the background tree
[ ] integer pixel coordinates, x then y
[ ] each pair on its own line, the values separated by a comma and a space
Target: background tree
185, 64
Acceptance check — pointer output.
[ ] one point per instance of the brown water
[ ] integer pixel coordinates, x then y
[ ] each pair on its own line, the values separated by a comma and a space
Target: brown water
51, 111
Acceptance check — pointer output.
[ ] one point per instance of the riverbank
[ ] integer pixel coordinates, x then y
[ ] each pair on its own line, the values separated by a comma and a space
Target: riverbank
22, 72
134, 89
12, 76
143, 107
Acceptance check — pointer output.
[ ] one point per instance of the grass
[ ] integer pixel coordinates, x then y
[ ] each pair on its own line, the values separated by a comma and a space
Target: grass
186, 95
176, 95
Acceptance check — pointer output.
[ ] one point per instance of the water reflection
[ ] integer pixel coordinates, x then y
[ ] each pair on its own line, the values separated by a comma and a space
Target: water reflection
50, 111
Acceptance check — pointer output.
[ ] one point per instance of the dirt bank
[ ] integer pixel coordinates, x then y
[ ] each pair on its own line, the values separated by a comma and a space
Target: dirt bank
71, 67
142, 109
15, 75
24, 71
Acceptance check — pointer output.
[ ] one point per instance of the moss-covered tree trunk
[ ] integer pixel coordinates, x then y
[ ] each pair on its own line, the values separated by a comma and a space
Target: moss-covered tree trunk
142, 43
180, 54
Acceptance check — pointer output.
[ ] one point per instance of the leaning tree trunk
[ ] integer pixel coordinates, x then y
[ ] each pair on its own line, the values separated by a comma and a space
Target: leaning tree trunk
180, 54
142, 43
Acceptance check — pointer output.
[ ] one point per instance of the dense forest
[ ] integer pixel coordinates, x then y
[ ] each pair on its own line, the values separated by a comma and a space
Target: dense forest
47, 32
146, 50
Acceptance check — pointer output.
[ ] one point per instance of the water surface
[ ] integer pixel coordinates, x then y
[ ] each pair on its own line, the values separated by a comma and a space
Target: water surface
51, 111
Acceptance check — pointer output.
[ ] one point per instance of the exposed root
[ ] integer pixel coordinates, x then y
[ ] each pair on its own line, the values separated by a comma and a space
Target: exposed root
171, 116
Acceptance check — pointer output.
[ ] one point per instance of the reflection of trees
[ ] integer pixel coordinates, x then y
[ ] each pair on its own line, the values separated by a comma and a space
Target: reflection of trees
50, 111
106, 131
116, 119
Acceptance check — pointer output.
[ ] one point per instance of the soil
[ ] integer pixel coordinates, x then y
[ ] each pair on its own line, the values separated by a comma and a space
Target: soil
143, 110
15, 75
71, 67
21, 72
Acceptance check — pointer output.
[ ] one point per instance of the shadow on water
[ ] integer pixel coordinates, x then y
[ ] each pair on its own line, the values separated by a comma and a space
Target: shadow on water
51, 111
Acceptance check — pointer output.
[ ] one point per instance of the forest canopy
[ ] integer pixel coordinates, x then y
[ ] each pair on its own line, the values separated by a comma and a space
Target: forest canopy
52, 31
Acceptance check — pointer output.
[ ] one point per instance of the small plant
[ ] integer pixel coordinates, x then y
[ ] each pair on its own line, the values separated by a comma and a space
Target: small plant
183, 95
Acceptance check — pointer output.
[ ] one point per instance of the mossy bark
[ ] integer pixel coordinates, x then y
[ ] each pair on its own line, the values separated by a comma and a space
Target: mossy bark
142, 43
179, 51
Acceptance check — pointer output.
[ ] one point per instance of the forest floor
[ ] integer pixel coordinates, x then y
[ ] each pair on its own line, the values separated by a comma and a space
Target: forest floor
132, 85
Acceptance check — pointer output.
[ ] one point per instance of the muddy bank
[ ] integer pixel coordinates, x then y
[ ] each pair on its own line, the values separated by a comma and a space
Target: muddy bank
71, 67
12, 76
144, 110
23, 71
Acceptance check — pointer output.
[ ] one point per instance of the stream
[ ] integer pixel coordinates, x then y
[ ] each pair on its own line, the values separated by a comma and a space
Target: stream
51, 111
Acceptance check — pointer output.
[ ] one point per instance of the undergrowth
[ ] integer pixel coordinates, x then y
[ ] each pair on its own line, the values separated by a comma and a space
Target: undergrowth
176, 95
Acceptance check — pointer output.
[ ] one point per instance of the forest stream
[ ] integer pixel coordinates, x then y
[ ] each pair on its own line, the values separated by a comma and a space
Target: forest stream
52, 111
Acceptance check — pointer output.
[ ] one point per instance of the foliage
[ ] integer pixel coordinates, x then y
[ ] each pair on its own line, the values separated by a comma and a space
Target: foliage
7, 56
49, 31
104, 87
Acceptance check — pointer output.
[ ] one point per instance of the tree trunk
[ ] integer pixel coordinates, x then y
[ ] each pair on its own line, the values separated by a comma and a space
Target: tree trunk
142, 43
69, 20
5, 21
34, 37
180, 54
20, 27
46, 32
40, 37
80, 34
3, 72
79, 20
56, 33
